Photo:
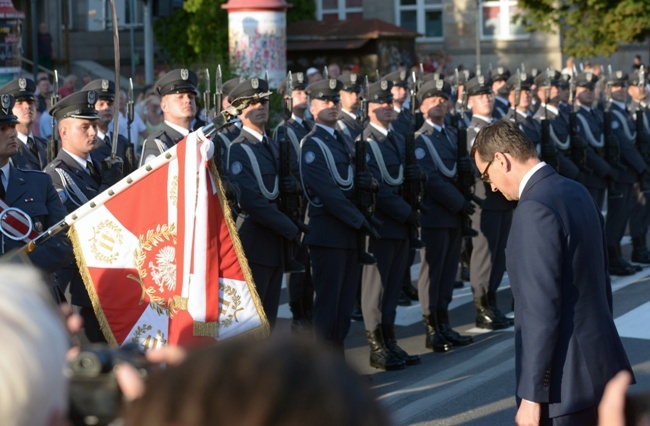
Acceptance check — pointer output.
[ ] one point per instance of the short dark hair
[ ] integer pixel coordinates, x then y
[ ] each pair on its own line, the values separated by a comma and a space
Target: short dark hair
503, 136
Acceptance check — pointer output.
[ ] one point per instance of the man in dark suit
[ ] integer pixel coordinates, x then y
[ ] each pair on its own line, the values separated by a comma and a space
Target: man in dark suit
78, 178
33, 194
32, 153
437, 152
177, 91
253, 166
557, 264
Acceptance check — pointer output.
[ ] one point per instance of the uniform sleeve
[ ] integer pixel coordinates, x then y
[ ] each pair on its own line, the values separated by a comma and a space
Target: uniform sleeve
388, 200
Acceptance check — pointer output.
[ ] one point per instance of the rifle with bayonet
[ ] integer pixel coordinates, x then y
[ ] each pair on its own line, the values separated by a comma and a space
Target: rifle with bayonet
548, 148
577, 144
290, 201
517, 94
53, 143
412, 187
642, 140
207, 97
218, 98
612, 147
129, 152
364, 196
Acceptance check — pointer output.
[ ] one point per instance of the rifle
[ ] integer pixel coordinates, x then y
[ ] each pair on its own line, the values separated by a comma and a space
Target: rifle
364, 199
206, 96
412, 189
548, 148
578, 145
53, 143
129, 153
612, 147
465, 175
218, 97
517, 94
290, 202
642, 141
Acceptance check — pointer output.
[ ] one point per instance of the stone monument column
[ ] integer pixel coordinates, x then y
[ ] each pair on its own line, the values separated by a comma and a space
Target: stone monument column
257, 36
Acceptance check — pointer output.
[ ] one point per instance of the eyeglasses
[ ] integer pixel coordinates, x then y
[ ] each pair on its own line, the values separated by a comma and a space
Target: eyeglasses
485, 177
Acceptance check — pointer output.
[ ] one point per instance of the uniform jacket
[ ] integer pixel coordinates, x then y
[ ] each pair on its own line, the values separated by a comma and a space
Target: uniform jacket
500, 109
442, 199
333, 218
103, 148
391, 208
296, 132
261, 226
348, 125
32, 192
560, 127
401, 124
25, 159
630, 157
168, 136
599, 167
566, 343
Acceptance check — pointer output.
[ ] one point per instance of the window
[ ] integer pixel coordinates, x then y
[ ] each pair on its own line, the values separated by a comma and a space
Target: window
496, 21
422, 16
333, 10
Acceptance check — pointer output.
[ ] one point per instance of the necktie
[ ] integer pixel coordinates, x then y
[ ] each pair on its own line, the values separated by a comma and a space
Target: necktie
306, 125
391, 139
270, 148
445, 136
93, 172
3, 194
32, 146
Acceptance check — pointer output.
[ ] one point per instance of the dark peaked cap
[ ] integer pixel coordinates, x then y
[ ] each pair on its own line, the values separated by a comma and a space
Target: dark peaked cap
105, 88
7, 103
380, 92
248, 88
479, 85
325, 90
434, 88
77, 105
21, 89
179, 80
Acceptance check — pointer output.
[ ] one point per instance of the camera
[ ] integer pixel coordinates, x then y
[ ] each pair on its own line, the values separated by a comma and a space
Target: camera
95, 396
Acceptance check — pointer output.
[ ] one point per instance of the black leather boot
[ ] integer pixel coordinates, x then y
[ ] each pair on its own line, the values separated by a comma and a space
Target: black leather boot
485, 318
391, 345
434, 339
616, 265
640, 252
448, 333
492, 303
380, 356
299, 324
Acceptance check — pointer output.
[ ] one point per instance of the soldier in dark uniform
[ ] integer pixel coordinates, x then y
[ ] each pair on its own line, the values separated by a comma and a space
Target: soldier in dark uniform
491, 219
381, 283
32, 154
326, 168
105, 111
559, 121
518, 112
400, 92
633, 167
640, 214
437, 151
463, 77
78, 178
229, 133
299, 285
253, 165
33, 194
177, 91
501, 103
348, 122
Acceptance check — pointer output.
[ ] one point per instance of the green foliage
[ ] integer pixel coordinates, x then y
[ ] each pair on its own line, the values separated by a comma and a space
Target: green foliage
589, 27
302, 10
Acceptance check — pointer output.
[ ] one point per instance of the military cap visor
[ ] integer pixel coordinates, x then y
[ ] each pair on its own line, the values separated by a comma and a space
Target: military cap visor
587, 80
250, 87
105, 88
77, 105
379, 92
351, 82
526, 81
22, 89
325, 90
439, 88
398, 78
7, 103
479, 85
177, 81
227, 87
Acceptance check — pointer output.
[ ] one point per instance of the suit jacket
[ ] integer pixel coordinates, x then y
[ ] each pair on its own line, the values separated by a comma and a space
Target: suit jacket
391, 208
566, 343
25, 159
33, 193
262, 225
167, 135
442, 199
333, 218
90, 188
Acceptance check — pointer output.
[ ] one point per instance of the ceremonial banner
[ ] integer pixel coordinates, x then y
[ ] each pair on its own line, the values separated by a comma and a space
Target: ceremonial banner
161, 258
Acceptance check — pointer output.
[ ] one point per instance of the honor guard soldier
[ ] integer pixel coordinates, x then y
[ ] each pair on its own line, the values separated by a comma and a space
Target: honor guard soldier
641, 212
557, 86
230, 132
500, 90
437, 151
177, 91
633, 168
253, 165
519, 87
458, 81
105, 111
326, 168
491, 219
381, 283
400, 92
28, 204
348, 122
32, 154
78, 178
299, 285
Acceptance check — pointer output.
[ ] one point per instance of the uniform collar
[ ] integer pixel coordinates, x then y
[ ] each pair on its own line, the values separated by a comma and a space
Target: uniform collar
81, 161
329, 129
255, 133
379, 129
354, 116
182, 130
23, 137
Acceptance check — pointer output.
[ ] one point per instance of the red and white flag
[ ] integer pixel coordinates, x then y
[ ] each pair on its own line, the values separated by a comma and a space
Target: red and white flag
161, 258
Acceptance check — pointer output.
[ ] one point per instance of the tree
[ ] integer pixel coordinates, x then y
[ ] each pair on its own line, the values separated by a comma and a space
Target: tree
589, 27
